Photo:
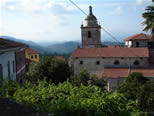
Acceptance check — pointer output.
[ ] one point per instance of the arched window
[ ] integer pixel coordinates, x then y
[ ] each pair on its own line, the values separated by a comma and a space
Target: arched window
116, 62
136, 62
137, 44
89, 34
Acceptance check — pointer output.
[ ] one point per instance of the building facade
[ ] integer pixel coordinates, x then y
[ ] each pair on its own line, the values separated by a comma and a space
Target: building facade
139, 40
11, 60
114, 62
32, 55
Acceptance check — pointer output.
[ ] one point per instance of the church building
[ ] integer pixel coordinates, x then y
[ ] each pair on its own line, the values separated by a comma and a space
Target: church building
113, 63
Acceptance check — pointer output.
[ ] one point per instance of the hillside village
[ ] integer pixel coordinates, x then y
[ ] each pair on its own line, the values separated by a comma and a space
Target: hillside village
51, 83
112, 62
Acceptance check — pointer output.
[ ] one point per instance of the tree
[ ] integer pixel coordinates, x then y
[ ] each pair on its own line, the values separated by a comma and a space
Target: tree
85, 78
131, 86
81, 78
51, 69
149, 19
100, 82
146, 97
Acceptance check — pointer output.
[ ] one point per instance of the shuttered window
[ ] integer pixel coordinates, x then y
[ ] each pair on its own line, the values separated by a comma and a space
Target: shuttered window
13, 64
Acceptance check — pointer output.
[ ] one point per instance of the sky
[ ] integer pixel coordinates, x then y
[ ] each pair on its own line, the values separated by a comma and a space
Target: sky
60, 20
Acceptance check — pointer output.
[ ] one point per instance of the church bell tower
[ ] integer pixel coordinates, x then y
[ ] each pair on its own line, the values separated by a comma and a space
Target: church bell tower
91, 32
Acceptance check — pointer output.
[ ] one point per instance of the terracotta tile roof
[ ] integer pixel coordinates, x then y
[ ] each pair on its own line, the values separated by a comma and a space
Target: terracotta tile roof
124, 72
110, 52
31, 51
60, 58
140, 36
8, 44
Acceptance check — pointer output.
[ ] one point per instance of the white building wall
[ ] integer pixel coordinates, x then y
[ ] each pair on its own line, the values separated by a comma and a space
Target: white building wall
128, 44
4, 58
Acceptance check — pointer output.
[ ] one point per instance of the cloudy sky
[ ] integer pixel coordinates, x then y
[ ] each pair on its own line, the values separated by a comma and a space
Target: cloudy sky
59, 20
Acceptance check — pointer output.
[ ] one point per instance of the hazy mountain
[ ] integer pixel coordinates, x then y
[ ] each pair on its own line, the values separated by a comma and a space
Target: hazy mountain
66, 47
19, 40
113, 43
31, 44
60, 48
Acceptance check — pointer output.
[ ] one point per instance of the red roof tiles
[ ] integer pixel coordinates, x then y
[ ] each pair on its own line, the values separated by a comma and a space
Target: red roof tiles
124, 72
140, 36
31, 51
60, 58
110, 52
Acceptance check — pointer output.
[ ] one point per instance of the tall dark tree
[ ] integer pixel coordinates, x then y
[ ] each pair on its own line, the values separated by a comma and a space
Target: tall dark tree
51, 69
149, 19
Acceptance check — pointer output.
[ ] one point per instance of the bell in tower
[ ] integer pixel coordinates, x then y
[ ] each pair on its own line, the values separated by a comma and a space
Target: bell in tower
91, 32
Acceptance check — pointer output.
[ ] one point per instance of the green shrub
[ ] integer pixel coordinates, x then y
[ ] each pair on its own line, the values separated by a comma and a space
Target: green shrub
8, 88
65, 97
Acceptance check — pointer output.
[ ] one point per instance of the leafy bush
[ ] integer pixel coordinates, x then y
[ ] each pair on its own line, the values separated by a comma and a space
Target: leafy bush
64, 97
81, 78
132, 85
51, 69
84, 77
140, 89
8, 88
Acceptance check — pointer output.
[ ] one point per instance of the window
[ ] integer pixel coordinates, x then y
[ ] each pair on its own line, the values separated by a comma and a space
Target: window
136, 62
35, 56
81, 62
13, 64
137, 44
116, 62
8, 65
97, 62
32, 56
89, 34
1, 71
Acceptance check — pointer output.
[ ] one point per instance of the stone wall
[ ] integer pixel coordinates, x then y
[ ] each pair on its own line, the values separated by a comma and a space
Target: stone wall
96, 65
94, 41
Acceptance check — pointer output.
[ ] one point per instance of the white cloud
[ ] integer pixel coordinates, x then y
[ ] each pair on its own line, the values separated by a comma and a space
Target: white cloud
140, 2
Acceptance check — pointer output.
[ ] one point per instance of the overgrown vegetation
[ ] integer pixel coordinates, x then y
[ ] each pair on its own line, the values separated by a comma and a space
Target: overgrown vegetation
65, 97
137, 87
50, 69
51, 87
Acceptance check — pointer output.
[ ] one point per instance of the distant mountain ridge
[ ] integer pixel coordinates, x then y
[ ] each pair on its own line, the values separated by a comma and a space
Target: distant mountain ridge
59, 48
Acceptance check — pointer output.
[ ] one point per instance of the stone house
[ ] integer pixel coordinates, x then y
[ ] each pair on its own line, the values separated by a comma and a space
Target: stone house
114, 62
